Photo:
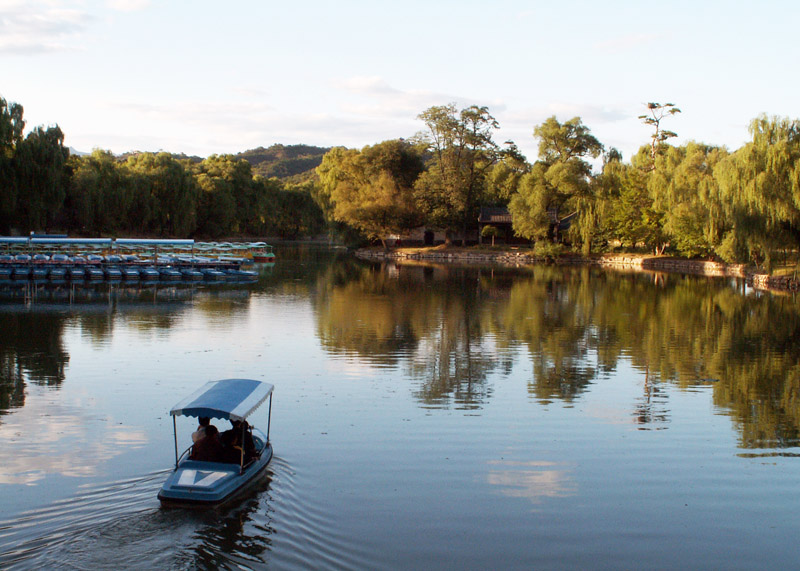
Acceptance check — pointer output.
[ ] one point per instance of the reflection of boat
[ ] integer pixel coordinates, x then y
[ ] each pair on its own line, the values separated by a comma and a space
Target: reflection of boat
169, 273
192, 274
203, 483
58, 273
22, 272
112, 273
243, 275
213, 275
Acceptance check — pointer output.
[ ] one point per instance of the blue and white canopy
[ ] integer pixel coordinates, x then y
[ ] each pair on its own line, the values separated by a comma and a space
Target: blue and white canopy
231, 399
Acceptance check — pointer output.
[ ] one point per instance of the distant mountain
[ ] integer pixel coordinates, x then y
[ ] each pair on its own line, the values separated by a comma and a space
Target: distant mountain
295, 163
292, 163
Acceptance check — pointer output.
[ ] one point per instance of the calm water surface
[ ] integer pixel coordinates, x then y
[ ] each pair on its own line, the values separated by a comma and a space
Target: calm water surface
424, 417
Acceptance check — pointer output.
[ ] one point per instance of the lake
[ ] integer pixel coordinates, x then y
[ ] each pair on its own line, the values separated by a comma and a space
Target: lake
424, 417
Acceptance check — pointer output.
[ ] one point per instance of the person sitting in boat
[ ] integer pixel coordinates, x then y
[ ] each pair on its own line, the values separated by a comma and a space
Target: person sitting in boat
201, 429
232, 442
209, 448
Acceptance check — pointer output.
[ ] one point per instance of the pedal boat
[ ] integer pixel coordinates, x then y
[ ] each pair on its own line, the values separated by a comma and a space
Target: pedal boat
200, 484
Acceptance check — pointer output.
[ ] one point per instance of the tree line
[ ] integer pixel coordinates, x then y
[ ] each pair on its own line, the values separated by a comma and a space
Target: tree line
694, 199
44, 189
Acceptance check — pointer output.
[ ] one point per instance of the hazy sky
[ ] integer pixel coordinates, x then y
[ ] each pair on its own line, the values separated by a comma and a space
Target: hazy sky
205, 77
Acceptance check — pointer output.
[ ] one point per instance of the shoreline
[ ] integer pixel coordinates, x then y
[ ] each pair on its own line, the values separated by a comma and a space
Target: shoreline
637, 262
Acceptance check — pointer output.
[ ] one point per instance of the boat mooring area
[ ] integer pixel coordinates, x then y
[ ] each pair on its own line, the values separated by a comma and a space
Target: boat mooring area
62, 259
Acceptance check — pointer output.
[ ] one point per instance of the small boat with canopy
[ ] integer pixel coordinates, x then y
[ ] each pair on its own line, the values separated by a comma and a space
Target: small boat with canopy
206, 483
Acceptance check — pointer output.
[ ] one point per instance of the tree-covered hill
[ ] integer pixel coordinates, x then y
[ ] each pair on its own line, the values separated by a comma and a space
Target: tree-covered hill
293, 162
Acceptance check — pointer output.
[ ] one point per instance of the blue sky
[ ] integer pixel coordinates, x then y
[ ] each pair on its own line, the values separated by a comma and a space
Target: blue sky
207, 77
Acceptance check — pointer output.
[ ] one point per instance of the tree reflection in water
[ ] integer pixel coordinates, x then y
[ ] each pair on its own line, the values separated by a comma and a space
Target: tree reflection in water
454, 327
32, 349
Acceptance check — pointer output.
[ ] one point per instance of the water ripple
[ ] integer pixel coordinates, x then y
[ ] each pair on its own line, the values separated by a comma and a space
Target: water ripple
120, 525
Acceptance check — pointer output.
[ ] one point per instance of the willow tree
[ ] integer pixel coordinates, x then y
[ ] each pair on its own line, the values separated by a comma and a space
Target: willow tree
99, 198
687, 193
11, 126
560, 184
40, 162
450, 191
372, 189
168, 192
760, 183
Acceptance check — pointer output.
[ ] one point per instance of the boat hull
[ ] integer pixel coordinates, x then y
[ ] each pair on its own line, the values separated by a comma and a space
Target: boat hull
206, 484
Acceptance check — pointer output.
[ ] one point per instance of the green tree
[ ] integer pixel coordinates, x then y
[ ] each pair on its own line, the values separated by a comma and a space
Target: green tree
167, 193
40, 163
99, 198
626, 205
560, 184
291, 210
529, 206
462, 150
227, 201
688, 196
504, 176
11, 126
371, 189
760, 184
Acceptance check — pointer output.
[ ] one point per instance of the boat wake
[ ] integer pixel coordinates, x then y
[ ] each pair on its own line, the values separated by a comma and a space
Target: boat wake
121, 525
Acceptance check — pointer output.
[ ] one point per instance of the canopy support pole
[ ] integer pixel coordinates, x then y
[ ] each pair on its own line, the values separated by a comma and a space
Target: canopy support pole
175, 434
241, 456
269, 416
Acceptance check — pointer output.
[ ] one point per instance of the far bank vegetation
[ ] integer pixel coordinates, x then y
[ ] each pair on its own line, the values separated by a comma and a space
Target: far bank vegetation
695, 200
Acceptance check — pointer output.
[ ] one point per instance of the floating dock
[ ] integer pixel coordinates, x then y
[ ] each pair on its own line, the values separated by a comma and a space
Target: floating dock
43, 258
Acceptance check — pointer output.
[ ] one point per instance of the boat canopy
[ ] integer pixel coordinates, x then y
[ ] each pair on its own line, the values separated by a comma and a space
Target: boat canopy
59, 241
152, 242
13, 240
231, 399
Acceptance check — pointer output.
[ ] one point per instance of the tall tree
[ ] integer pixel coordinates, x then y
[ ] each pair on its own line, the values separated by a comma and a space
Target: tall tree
656, 113
560, 184
462, 149
11, 126
40, 163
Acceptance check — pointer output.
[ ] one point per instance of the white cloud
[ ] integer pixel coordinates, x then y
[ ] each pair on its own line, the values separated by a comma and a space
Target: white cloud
531, 480
36, 27
59, 439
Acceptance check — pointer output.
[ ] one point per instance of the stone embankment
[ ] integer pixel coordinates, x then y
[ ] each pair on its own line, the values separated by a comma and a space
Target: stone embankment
618, 261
